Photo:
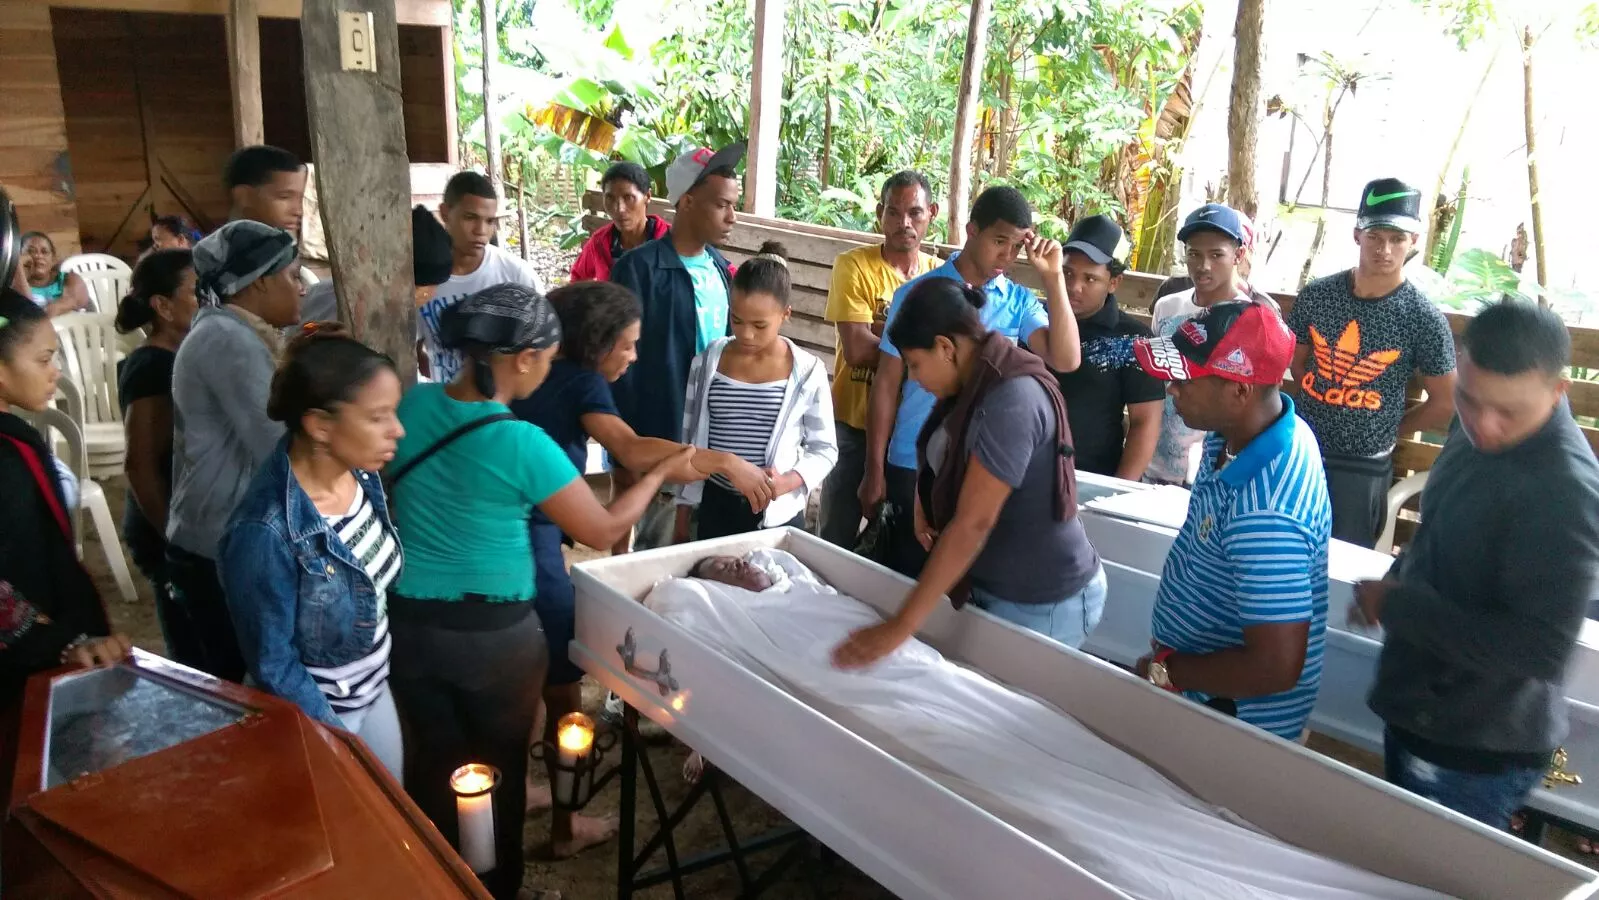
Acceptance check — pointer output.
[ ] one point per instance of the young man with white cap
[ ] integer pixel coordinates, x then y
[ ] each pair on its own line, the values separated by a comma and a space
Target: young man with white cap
684, 284
1241, 612
1362, 334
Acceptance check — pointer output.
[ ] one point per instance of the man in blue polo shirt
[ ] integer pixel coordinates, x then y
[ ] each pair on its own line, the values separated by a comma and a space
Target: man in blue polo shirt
1242, 607
1001, 226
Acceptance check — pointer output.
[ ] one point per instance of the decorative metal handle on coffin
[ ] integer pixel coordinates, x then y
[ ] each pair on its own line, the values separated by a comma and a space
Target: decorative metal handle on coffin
661, 675
1558, 775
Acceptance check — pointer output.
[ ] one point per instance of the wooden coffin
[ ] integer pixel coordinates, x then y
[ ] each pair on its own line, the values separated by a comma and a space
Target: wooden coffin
918, 839
1134, 547
151, 780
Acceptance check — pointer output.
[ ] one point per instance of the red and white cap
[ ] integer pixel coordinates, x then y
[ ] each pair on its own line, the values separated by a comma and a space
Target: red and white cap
687, 171
1242, 342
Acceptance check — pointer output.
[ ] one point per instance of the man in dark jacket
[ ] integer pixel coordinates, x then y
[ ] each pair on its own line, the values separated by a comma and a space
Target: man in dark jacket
685, 286
1483, 609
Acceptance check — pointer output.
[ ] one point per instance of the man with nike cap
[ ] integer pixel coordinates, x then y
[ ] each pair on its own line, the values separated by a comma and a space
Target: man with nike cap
1241, 610
684, 284
1361, 335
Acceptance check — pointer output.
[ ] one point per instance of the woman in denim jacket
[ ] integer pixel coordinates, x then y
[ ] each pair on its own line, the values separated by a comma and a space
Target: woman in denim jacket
310, 551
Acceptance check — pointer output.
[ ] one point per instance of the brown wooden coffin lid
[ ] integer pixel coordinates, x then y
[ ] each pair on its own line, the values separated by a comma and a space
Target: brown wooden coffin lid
249, 810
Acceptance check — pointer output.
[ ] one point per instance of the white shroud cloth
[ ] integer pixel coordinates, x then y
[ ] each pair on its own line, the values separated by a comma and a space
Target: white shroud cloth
1012, 755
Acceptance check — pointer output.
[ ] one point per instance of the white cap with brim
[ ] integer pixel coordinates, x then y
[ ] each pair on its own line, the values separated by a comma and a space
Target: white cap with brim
687, 171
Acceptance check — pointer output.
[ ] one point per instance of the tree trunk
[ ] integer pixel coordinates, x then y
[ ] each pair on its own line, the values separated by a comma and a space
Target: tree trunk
521, 207
363, 178
970, 90
1435, 235
1329, 111
827, 116
1243, 110
1538, 252
489, 16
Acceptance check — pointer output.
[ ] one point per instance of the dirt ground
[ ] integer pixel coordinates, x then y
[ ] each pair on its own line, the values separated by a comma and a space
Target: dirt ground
592, 875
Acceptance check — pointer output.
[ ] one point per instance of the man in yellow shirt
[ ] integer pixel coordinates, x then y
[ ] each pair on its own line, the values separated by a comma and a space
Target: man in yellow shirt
864, 281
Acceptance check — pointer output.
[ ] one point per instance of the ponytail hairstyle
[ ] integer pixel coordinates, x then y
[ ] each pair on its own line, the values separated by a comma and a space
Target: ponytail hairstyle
159, 274
500, 320
19, 315
323, 367
766, 273
934, 308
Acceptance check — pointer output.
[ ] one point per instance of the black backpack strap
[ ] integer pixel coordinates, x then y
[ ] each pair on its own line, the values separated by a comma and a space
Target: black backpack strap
459, 432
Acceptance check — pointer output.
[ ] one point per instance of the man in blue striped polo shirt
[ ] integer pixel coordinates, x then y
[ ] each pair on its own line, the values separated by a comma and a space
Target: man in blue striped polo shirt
1242, 607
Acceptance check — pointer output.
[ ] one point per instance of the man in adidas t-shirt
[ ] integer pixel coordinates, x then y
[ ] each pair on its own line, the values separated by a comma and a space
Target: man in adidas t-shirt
1361, 335
471, 213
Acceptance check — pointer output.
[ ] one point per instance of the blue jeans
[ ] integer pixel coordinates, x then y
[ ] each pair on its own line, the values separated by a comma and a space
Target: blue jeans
1490, 799
1068, 620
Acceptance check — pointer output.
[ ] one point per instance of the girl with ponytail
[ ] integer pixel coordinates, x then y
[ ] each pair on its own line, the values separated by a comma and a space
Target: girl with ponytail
758, 396
161, 303
310, 552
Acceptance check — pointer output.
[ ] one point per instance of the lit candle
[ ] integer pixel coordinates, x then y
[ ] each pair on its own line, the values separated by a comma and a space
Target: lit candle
574, 736
474, 786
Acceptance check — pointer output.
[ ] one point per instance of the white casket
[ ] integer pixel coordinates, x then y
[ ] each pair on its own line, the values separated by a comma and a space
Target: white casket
1133, 525
922, 841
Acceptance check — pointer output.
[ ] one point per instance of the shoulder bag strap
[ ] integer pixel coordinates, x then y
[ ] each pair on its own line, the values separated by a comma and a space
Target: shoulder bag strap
35, 465
441, 443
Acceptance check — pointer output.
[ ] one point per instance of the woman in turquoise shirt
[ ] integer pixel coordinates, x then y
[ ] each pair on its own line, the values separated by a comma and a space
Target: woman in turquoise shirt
469, 655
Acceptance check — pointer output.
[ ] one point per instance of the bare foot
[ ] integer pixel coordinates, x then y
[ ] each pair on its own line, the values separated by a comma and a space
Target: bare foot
587, 832
538, 797
693, 768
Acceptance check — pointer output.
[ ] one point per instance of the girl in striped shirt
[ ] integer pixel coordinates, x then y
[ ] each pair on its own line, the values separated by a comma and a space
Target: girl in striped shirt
761, 398
308, 557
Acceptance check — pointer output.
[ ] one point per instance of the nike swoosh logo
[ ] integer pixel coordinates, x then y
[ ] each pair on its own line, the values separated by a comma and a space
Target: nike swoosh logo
1374, 199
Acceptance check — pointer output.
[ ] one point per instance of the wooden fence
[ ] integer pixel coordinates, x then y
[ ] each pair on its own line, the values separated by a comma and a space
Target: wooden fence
812, 249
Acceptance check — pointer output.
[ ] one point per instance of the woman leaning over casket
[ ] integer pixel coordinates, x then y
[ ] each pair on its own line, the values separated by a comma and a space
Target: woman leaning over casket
309, 553
996, 493
50, 613
469, 657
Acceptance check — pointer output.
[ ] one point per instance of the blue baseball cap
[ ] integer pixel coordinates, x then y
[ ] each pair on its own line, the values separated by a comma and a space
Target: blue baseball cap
1215, 217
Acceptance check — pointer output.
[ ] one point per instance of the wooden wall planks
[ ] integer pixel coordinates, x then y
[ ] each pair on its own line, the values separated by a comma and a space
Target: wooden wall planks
34, 164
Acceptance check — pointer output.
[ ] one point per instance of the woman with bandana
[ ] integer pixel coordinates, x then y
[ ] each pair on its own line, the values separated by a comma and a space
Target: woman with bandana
247, 279
469, 656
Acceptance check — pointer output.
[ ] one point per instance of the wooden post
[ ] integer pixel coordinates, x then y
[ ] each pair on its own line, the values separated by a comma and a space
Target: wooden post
244, 71
766, 109
1243, 109
489, 16
363, 178
960, 165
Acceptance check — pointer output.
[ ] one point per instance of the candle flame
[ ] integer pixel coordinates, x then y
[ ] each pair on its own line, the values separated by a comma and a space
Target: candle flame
473, 778
575, 738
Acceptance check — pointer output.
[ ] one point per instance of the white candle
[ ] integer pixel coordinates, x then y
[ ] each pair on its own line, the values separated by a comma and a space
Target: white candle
574, 737
474, 809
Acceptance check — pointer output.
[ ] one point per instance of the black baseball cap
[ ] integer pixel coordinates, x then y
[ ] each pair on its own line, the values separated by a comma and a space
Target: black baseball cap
1390, 203
1216, 217
1097, 237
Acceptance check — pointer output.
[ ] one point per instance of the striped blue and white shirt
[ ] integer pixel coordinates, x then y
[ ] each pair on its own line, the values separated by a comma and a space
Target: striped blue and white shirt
1253, 551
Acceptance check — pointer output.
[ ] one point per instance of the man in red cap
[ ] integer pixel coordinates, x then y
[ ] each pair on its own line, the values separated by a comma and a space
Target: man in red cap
1242, 606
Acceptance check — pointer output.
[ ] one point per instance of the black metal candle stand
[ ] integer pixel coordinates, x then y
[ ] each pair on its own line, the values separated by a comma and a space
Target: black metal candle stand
585, 776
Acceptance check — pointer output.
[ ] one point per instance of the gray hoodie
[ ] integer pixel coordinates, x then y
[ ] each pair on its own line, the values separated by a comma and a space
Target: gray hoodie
1492, 594
221, 433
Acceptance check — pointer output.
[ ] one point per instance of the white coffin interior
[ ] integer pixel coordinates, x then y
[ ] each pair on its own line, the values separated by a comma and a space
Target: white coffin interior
1133, 526
920, 840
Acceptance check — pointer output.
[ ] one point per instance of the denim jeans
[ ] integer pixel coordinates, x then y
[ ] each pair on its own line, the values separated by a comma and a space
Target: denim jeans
1490, 799
1068, 620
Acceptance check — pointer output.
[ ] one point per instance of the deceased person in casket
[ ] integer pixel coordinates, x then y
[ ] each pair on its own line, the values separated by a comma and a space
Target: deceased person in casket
1020, 759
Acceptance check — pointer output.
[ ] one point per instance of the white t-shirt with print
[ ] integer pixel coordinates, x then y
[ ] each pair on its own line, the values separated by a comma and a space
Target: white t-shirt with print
1177, 449
498, 267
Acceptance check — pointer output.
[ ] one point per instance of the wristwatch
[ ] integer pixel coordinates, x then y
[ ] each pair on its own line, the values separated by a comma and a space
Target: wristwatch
1158, 675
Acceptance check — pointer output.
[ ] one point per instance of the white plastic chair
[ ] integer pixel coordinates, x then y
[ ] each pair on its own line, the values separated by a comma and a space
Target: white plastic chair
58, 428
1398, 496
90, 349
106, 276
